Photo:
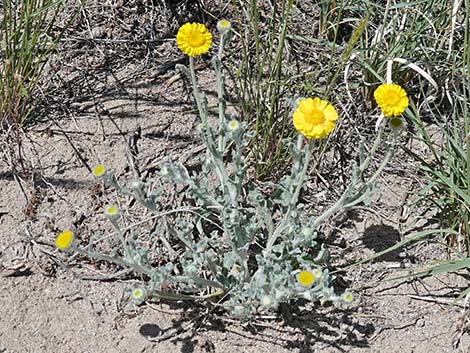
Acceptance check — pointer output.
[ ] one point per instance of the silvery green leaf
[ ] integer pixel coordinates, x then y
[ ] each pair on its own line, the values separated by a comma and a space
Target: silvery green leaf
229, 259
184, 70
322, 256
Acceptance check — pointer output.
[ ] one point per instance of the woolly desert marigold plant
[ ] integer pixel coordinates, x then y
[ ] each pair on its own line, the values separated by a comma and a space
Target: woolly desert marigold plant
193, 39
314, 118
64, 240
391, 98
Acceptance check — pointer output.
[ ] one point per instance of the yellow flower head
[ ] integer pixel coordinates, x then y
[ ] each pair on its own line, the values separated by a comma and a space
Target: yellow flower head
306, 278
314, 118
64, 240
99, 170
391, 99
193, 39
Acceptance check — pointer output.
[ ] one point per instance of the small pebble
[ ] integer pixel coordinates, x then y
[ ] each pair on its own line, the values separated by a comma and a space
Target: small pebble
98, 32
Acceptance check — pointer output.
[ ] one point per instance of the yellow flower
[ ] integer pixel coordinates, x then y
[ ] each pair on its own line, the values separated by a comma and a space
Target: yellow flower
306, 278
64, 240
99, 170
391, 99
314, 118
193, 39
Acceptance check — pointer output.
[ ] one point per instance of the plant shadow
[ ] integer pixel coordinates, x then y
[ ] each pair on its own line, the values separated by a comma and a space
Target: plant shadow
381, 237
298, 326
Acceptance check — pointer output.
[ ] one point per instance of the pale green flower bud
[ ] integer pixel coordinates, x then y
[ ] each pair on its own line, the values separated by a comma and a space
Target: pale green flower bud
347, 297
164, 171
266, 301
111, 211
223, 26
233, 125
397, 125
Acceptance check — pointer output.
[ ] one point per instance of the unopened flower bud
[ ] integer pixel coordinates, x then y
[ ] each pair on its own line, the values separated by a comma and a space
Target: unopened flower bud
233, 125
266, 301
397, 125
224, 26
111, 211
347, 297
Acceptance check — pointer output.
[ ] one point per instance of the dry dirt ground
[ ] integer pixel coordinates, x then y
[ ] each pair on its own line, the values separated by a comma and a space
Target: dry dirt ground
50, 302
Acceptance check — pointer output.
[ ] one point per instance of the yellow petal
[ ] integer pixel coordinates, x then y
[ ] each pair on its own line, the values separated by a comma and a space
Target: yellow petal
330, 113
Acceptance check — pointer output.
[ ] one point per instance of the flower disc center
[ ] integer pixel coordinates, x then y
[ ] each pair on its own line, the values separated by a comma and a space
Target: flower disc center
316, 117
392, 98
196, 39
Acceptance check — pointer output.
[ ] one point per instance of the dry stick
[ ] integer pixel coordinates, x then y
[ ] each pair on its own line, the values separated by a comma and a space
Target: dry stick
132, 150
9, 156
131, 146
97, 114
18, 180
77, 153
19, 144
